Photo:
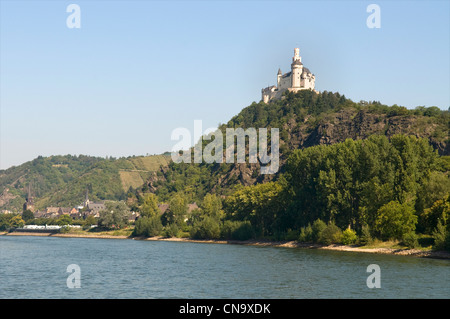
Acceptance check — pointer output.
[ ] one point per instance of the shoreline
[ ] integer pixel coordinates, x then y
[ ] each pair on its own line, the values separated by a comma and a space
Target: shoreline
252, 242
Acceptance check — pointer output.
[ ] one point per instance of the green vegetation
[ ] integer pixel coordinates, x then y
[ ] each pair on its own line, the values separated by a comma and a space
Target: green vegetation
63, 180
355, 173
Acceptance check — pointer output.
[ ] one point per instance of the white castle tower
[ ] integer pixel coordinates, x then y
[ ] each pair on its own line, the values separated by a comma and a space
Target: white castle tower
300, 78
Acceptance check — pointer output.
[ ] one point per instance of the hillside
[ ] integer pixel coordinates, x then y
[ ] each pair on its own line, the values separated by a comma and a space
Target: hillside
63, 180
304, 119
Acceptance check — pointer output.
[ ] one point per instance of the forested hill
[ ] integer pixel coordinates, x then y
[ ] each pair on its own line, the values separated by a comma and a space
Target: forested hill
305, 119
63, 180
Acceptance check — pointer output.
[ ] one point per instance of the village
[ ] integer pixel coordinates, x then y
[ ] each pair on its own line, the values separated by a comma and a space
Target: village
87, 210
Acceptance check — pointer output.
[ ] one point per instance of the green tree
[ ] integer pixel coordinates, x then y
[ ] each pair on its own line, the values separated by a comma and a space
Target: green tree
258, 204
331, 234
177, 209
27, 215
89, 221
149, 207
439, 211
394, 220
114, 216
317, 228
441, 237
64, 220
211, 206
148, 226
16, 222
208, 228
349, 237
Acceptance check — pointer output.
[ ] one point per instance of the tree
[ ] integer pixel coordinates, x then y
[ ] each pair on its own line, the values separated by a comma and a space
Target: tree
16, 222
27, 215
211, 206
149, 207
208, 228
331, 234
64, 220
114, 216
89, 221
394, 220
148, 226
317, 228
258, 204
439, 211
177, 209
349, 237
441, 237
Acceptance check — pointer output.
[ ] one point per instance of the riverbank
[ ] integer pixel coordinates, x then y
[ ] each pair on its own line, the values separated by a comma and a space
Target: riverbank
428, 253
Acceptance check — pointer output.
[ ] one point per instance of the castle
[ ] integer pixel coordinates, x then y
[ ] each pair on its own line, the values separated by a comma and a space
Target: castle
299, 78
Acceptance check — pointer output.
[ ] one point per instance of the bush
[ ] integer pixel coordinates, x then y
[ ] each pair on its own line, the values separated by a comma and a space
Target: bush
395, 220
349, 237
291, 235
441, 237
148, 226
208, 228
317, 229
237, 230
366, 237
410, 240
171, 230
306, 234
330, 235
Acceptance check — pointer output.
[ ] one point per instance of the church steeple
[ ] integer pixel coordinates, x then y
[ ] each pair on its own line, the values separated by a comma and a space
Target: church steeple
29, 203
86, 199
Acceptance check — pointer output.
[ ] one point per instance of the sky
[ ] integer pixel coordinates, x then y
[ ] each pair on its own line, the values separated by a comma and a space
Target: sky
136, 70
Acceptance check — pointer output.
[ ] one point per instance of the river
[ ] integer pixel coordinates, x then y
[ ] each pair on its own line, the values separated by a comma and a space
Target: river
37, 267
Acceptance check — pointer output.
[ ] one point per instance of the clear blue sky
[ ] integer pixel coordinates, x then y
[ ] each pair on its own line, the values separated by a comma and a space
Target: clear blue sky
136, 70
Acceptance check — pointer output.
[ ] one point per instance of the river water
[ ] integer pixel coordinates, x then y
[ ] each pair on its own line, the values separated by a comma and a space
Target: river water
37, 267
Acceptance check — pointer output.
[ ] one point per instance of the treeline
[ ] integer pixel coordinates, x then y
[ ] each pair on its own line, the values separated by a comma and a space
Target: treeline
351, 192
377, 188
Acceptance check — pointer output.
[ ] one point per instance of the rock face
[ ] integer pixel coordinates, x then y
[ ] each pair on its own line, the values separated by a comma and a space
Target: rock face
335, 128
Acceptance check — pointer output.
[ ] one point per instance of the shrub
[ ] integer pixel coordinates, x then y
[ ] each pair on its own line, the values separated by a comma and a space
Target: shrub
331, 234
441, 237
349, 237
237, 230
366, 237
410, 240
395, 220
306, 234
148, 226
171, 230
208, 228
317, 228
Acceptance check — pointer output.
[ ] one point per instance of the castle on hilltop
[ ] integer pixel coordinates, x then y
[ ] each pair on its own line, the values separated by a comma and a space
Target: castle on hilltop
299, 78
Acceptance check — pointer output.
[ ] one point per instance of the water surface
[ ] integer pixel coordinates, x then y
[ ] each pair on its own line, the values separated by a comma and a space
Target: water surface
36, 267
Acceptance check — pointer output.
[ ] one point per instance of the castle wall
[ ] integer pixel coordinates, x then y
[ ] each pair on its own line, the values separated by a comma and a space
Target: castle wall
285, 82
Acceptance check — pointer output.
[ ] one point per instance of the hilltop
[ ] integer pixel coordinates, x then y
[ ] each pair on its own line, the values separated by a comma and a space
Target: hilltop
304, 119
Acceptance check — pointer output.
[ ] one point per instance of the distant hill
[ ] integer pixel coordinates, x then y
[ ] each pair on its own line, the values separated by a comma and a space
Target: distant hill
304, 119
63, 180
